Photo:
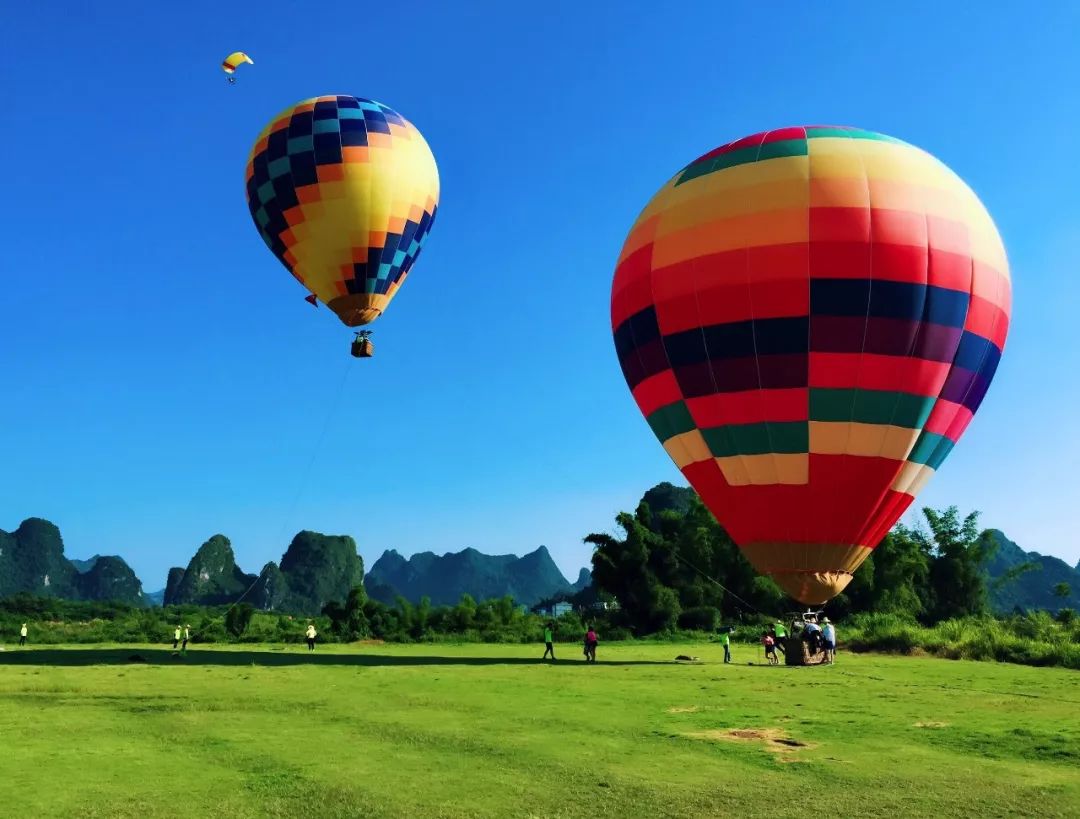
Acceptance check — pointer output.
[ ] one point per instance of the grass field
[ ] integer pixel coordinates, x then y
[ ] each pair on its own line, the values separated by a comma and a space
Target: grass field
486, 730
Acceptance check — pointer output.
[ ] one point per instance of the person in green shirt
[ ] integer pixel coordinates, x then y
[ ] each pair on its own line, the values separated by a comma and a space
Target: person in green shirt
176, 638
549, 644
781, 635
725, 641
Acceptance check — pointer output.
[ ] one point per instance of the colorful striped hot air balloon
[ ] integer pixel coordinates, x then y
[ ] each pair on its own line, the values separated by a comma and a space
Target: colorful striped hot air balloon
808, 318
344, 191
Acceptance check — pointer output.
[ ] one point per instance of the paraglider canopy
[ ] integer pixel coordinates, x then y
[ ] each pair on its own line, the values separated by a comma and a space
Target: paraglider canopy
233, 61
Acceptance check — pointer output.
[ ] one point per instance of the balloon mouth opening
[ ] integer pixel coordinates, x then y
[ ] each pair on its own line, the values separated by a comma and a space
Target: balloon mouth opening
811, 573
358, 310
811, 588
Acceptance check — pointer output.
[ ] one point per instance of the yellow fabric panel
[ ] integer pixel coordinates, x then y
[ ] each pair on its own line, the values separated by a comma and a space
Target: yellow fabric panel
853, 438
734, 470
766, 470
687, 448
754, 198
747, 230
912, 478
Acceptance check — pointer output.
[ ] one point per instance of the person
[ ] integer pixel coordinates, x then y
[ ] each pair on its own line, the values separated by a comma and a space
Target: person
780, 634
813, 636
769, 642
828, 635
725, 640
22, 635
176, 638
549, 637
187, 636
311, 637
590, 645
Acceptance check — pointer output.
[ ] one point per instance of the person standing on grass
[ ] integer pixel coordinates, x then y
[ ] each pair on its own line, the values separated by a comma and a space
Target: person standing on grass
176, 638
311, 637
22, 635
549, 646
591, 641
828, 634
781, 634
769, 642
187, 636
725, 641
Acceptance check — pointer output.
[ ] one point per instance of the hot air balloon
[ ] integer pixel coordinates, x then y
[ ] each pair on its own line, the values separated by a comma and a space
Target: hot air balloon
808, 318
233, 61
344, 191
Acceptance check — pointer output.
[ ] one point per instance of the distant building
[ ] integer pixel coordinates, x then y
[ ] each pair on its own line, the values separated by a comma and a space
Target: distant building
559, 609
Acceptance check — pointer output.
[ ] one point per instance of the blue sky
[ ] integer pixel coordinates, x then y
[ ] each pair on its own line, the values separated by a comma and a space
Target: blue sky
163, 380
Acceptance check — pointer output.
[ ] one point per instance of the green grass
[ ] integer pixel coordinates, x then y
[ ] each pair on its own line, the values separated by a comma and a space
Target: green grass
485, 730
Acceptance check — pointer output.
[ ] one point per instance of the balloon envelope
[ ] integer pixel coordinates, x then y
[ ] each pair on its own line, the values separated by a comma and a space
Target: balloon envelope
344, 191
808, 318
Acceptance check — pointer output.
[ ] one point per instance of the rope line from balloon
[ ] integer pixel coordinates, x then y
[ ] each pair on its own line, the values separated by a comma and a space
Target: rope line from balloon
306, 474
722, 586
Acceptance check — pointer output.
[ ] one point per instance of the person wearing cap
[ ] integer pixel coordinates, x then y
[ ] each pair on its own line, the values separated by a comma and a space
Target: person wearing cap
187, 636
725, 641
311, 637
22, 635
780, 633
176, 638
828, 635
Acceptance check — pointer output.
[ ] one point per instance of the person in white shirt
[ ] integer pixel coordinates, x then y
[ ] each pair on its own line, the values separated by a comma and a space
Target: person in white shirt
828, 634
311, 637
22, 635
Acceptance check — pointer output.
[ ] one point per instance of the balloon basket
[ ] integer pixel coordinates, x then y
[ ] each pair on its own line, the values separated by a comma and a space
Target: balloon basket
363, 348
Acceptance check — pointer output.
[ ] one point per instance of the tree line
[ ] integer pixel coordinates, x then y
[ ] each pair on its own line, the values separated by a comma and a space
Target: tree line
678, 569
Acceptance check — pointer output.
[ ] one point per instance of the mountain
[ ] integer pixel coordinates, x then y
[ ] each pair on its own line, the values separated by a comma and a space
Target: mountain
32, 561
314, 570
211, 578
1032, 588
172, 585
155, 598
110, 578
528, 579
666, 497
83, 566
584, 580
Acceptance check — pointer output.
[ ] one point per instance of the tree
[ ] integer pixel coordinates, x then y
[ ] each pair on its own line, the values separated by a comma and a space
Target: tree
674, 562
1062, 590
957, 571
238, 618
901, 567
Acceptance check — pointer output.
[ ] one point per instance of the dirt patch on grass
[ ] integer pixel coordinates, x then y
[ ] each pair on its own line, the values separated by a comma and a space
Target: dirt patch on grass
774, 740
931, 725
683, 709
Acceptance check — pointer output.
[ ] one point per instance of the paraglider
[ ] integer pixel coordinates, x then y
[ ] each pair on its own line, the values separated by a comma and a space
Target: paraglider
809, 318
344, 191
234, 61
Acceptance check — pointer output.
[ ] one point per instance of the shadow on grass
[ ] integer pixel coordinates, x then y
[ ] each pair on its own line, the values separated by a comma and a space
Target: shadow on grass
137, 655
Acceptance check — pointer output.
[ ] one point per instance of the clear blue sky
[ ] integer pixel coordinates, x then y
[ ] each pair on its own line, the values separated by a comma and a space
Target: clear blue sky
163, 380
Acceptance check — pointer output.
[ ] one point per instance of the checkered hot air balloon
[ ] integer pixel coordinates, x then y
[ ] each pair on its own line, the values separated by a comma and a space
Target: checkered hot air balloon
344, 191
808, 318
